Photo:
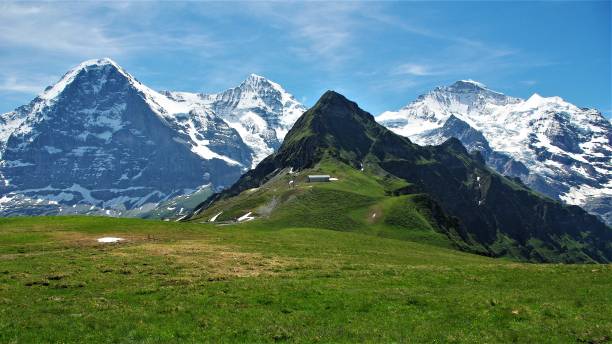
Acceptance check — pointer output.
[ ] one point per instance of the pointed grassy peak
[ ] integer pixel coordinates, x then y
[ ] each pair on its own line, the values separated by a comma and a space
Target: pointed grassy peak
334, 108
334, 126
334, 104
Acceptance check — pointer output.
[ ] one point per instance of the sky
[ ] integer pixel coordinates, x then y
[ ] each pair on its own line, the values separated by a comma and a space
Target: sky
381, 54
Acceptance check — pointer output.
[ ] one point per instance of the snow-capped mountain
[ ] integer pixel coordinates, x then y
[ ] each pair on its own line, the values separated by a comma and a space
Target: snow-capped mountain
99, 141
260, 110
553, 146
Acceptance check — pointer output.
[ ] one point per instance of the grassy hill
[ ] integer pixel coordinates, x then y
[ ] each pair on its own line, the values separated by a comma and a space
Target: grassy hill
358, 201
190, 282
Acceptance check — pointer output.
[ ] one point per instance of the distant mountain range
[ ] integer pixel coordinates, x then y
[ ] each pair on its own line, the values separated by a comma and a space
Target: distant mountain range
383, 184
554, 147
101, 142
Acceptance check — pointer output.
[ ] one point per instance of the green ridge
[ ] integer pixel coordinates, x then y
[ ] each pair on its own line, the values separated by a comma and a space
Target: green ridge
460, 200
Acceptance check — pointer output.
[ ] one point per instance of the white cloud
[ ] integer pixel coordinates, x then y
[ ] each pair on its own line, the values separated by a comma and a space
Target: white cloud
11, 84
38, 38
56, 29
321, 32
92, 29
414, 69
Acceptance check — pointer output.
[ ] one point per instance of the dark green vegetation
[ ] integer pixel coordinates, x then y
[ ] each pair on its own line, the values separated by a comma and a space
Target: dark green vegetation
393, 188
189, 282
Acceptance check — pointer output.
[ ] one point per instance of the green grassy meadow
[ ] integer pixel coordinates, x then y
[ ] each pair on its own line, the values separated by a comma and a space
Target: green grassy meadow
192, 282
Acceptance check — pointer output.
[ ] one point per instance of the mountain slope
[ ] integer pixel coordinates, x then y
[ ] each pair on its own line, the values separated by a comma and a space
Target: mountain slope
390, 186
555, 147
100, 139
101, 142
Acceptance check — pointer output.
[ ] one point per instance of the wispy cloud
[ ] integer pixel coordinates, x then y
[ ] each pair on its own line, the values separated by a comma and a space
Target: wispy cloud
457, 56
36, 37
414, 69
12, 84
90, 30
321, 32
46, 28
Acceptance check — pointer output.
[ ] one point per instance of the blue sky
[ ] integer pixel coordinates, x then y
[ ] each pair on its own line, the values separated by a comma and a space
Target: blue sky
380, 54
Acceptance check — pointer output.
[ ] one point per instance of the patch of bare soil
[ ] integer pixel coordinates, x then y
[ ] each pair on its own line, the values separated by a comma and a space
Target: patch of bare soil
215, 262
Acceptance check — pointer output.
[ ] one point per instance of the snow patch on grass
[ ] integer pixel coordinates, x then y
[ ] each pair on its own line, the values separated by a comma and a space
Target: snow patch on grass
107, 240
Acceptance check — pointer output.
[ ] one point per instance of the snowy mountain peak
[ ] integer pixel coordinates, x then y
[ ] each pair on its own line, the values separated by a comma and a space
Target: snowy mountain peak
254, 78
259, 109
468, 83
255, 81
55, 90
434, 108
537, 100
100, 138
98, 62
260, 85
566, 150
470, 86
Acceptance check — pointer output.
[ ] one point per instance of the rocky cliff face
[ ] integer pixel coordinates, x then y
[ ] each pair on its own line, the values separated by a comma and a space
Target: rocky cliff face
99, 141
553, 146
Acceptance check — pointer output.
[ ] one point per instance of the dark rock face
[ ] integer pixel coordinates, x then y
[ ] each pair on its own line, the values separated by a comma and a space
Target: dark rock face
484, 212
100, 142
562, 135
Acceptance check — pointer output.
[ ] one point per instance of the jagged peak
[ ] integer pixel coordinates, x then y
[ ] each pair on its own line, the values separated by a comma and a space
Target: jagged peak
255, 80
254, 76
469, 85
466, 87
98, 62
537, 98
261, 85
162, 104
460, 87
537, 101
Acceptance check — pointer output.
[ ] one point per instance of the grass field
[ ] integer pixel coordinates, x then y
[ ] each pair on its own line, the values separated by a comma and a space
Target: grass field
188, 282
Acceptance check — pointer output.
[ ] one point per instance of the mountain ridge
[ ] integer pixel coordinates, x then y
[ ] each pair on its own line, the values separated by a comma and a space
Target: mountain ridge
477, 209
89, 118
